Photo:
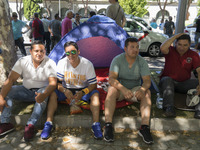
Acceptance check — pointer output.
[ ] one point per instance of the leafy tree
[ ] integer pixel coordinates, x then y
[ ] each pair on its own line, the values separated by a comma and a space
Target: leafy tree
8, 54
31, 7
134, 7
198, 4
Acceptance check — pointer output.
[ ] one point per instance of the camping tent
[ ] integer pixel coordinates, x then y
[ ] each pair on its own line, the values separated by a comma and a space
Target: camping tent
99, 39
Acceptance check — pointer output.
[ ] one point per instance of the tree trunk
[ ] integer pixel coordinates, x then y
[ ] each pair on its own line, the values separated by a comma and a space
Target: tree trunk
8, 56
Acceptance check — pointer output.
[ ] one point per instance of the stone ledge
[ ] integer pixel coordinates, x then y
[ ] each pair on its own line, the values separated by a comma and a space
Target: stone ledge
158, 124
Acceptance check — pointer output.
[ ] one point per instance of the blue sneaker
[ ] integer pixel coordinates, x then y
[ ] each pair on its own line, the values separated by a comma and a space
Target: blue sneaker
47, 130
96, 129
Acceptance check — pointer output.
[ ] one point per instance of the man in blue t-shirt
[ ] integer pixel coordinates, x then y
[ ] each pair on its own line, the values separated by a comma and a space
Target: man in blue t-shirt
17, 26
126, 72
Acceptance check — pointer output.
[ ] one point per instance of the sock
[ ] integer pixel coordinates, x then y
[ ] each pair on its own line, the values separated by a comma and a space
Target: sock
143, 126
108, 124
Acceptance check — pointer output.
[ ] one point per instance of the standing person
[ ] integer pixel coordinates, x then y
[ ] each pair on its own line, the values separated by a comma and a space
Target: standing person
67, 23
76, 80
161, 25
115, 12
36, 24
77, 21
46, 37
169, 27
92, 13
55, 31
17, 26
197, 33
153, 24
180, 61
126, 72
39, 80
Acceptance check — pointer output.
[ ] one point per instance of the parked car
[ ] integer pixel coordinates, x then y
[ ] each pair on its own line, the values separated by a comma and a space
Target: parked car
150, 41
191, 31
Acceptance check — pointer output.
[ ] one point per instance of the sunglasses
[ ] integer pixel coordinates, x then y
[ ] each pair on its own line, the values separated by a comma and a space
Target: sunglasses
73, 52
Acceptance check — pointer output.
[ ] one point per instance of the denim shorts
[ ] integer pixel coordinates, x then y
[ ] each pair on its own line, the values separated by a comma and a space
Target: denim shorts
62, 97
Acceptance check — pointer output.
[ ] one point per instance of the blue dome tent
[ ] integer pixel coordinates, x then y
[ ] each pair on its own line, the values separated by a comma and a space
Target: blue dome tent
99, 39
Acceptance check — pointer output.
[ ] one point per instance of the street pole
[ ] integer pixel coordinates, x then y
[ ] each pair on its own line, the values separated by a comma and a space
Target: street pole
181, 16
59, 10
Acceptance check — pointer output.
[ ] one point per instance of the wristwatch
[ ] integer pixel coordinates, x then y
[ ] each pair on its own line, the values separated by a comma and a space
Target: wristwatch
83, 92
64, 90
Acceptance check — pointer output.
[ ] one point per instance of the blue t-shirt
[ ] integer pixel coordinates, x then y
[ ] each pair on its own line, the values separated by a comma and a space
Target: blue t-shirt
17, 28
129, 77
153, 25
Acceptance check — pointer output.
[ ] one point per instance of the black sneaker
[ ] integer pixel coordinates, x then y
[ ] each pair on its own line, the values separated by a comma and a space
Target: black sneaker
108, 132
197, 114
170, 112
144, 132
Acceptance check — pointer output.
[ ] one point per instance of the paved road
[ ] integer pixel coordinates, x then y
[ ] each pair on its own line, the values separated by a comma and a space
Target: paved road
82, 139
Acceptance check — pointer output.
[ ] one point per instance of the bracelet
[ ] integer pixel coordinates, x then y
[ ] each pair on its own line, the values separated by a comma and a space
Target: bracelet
86, 90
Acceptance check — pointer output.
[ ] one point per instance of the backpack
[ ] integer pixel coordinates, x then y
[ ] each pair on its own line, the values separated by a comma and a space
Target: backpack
41, 27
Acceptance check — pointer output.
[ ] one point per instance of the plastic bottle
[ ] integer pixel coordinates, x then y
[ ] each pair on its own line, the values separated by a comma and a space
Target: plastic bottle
159, 101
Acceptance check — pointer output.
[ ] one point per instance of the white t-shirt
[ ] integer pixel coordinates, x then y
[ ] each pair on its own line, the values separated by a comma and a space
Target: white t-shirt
35, 77
79, 77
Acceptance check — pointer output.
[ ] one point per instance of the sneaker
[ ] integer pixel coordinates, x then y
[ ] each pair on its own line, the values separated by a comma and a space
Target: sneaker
6, 128
29, 132
170, 112
144, 132
108, 132
47, 130
96, 129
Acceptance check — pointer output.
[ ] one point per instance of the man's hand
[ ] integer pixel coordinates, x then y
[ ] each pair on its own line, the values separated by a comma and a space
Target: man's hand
198, 90
40, 97
128, 94
69, 94
3, 104
140, 93
78, 95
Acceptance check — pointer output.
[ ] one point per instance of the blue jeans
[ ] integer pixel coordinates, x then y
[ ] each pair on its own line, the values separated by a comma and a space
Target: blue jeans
20, 93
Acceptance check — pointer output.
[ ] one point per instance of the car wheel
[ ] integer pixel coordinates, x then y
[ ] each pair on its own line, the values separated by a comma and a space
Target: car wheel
154, 50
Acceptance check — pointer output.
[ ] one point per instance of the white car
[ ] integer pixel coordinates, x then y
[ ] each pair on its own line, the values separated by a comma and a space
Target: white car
150, 41
191, 31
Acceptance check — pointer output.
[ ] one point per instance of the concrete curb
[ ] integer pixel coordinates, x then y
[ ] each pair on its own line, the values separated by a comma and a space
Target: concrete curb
158, 124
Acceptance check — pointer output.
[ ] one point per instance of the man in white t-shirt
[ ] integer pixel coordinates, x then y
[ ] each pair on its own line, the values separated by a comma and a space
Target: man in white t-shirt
39, 80
76, 80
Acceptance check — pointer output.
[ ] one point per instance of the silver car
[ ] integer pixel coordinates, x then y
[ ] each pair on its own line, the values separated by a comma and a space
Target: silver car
149, 41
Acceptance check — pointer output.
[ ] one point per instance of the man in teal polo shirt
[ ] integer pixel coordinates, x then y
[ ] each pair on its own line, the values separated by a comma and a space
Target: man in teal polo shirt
17, 26
126, 72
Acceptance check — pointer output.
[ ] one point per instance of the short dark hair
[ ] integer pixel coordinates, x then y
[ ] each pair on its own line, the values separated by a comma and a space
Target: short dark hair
131, 39
36, 15
71, 43
92, 13
184, 37
37, 42
14, 14
56, 16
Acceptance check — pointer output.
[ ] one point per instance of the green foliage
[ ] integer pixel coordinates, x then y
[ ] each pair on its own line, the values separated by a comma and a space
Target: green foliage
198, 4
30, 7
134, 7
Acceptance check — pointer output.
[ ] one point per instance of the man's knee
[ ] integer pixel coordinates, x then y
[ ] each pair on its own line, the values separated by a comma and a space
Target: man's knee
112, 92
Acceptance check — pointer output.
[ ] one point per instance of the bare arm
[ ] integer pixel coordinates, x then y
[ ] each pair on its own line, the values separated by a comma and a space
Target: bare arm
165, 46
49, 89
123, 22
115, 83
13, 76
145, 86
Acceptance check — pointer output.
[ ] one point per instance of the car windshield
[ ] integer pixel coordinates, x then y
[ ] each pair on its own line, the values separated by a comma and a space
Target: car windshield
142, 22
132, 26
